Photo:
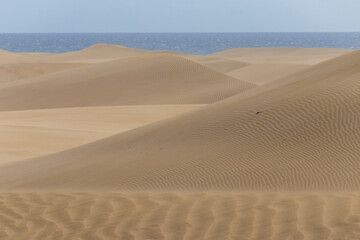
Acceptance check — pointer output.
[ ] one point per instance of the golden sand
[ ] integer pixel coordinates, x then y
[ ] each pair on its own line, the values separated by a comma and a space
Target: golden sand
117, 143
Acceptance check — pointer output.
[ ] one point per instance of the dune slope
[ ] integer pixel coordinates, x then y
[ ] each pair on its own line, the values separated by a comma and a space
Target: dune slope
217, 63
12, 72
260, 74
150, 79
296, 135
220, 64
33, 133
14, 58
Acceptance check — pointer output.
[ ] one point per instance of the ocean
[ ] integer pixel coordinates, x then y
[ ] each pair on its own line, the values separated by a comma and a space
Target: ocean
192, 43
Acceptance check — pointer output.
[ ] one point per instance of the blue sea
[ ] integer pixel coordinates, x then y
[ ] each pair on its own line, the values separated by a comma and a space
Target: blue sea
193, 43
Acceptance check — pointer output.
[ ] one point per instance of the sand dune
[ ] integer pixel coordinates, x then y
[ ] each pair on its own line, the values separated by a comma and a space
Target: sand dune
36, 54
96, 53
179, 216
124, 148
27, 134
217, 63
13, 58
282, 55
279, 51
11, 72
168, 52
151, 79
260, 74
220, 64
303, 123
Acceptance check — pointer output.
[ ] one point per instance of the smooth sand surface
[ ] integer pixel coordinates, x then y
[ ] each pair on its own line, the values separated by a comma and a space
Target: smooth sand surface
12, 72
32, 133
217, 63
220, 64
282, 55
13, 58
264, 73
279, 51
241, 144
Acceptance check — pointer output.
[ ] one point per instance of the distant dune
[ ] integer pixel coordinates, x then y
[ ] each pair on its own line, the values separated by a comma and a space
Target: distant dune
282, 54
220, 64
96, 53
264, 73
163, 79
217, 63
280, 51
11, 58
16, 71
111, 142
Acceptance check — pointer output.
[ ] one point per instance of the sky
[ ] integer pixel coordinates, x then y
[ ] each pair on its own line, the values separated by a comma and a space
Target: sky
69, 16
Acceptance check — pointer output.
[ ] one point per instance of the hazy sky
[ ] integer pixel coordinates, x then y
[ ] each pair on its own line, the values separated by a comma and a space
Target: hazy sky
179, 15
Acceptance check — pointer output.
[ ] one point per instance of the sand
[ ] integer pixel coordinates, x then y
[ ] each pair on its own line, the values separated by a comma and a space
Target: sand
163, 79
13, 58
179, 216
220, 64
117, 143
65, 128
13, 72
264, 73
282, 55
95, 54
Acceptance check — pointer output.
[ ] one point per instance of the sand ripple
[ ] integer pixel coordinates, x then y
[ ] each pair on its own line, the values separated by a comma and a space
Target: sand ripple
179, 216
